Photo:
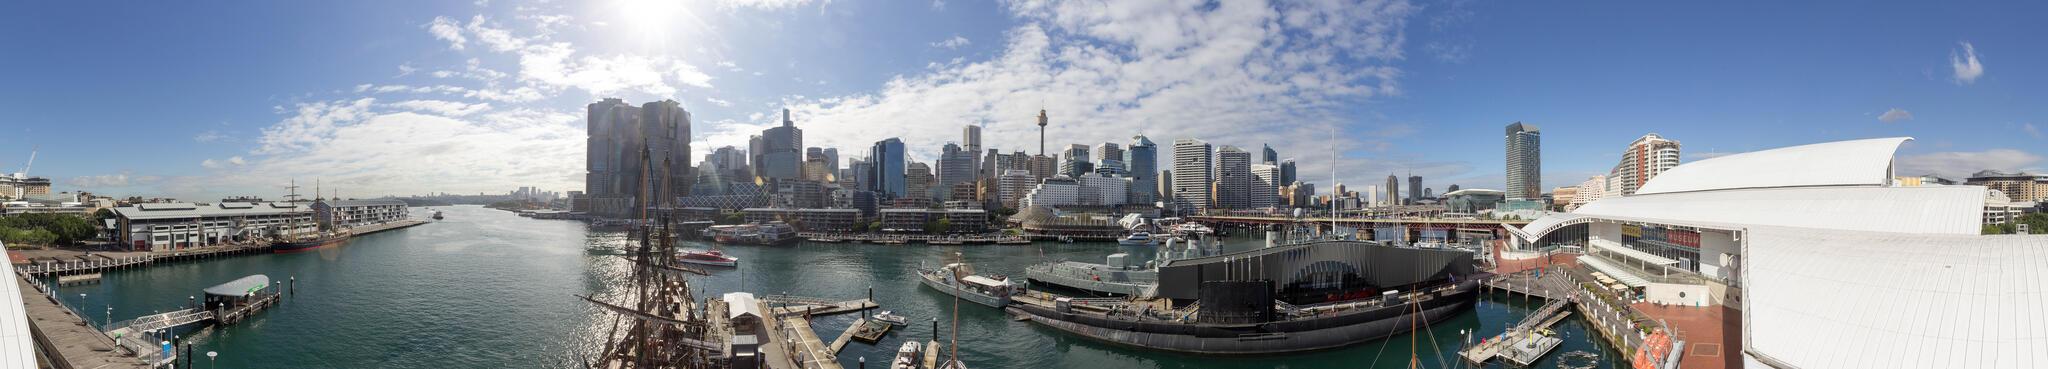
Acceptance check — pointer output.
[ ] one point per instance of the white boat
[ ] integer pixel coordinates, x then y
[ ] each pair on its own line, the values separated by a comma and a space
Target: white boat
1136, 239
711, 257
890, 317
908, 356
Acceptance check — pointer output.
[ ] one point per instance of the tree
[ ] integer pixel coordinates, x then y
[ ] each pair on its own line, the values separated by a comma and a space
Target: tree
2037, 223
938, 226
2006, 228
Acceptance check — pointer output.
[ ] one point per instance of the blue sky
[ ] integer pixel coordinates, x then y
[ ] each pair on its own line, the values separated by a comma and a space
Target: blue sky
391, 97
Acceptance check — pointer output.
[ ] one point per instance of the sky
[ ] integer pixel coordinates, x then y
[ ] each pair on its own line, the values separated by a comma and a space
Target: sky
371, 98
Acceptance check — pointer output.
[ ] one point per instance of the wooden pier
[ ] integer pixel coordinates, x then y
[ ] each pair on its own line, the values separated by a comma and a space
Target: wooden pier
70, 340
90, 263
904, 239
809, 352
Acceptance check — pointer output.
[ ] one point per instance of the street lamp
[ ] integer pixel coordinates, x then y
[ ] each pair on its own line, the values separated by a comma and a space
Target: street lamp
209, 358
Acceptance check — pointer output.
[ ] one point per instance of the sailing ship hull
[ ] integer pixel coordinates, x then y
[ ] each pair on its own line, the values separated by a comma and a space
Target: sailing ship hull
308, 245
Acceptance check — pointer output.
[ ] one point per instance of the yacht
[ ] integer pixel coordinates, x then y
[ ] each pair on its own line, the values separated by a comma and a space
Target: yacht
1140, 238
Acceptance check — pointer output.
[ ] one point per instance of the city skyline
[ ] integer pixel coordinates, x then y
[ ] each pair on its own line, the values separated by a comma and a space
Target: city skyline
463, 98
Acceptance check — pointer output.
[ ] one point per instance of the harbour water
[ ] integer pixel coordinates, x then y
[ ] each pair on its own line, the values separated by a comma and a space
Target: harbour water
487, 289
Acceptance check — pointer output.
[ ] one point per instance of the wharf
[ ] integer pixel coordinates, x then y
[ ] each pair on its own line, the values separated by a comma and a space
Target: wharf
66, 262
900, 239
1508, 344
386, 226
809, 351
67, 338
801, 306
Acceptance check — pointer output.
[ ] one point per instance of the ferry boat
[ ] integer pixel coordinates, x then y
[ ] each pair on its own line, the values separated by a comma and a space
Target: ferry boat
908, 356
309, 243
958, 279
1136, 239
708, 257
437, 215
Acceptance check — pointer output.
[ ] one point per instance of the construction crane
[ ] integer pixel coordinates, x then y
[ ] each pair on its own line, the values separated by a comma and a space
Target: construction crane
23, 174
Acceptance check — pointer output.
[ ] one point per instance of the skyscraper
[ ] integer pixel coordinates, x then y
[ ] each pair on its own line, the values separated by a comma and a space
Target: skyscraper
1268, 156
1645, 159
1287, 174
1233, 188
886, 163
1393, 190
917, 182
1144, 170
781, 153
1525, 162
1192, 160
634, 149
956, 166
1414, 189
1077, 163
971, 136
1265, 189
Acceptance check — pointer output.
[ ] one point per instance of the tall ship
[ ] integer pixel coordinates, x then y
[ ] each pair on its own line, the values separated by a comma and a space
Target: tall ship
308, 235
315, 241
958, 279
1297, 297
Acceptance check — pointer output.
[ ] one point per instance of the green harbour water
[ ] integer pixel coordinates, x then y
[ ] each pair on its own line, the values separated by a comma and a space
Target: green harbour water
487, 289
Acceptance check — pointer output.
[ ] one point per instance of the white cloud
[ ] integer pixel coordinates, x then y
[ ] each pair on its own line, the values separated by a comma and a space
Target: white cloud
209, 136
406, 69
450, 30
442, 107
718, 101
123, 179
1895, 115
761, 4
2030, 129
359, 146
1967, 68
952, 43
1235, 73
1959, 164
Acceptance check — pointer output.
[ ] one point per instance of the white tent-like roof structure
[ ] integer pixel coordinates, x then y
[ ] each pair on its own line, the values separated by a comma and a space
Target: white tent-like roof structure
1841, 269
17, 346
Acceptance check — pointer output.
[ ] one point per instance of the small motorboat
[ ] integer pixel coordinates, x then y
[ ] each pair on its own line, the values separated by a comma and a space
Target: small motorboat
1136, 239
889, 317
908, 356
708, 257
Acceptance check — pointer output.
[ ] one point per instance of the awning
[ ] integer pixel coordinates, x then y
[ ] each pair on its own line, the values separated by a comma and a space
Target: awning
1634, 253
1621, 274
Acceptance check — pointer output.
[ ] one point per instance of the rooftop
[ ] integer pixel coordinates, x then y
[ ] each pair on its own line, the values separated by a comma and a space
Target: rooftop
190, 210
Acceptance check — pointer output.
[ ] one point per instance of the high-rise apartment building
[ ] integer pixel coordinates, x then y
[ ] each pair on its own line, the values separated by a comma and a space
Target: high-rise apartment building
2020, 186
1645, 159
1233, 187
886, 163
1592, 189
1144, 170
1192, 165
1044, 167
1015, 183
1525, 162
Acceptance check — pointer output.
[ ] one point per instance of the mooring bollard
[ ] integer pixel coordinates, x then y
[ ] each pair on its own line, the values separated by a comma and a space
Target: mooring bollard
295, 285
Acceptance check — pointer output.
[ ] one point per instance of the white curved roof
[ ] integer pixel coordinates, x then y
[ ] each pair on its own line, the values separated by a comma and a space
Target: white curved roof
1897, 301
17, 348
1854, 162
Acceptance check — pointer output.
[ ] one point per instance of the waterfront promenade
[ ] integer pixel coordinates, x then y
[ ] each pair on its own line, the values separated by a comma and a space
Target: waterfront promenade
69, 339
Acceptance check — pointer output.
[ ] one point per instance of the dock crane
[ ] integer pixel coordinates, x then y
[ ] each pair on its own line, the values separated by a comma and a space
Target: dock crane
23, 174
